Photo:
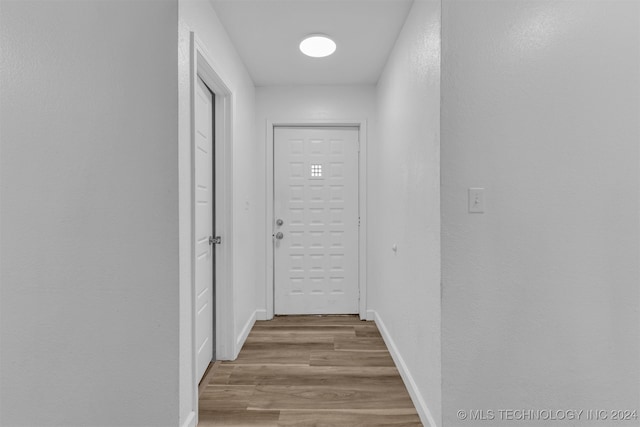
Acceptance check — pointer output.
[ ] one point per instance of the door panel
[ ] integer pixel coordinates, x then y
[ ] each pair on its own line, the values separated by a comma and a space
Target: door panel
316, 197
204, 255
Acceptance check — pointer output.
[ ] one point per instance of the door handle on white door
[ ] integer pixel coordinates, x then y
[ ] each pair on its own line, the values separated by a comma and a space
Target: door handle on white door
279, 235
214, 241
279, 222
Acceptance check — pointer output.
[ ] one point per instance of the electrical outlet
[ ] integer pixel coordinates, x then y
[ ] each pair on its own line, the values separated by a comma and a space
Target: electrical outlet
476, 200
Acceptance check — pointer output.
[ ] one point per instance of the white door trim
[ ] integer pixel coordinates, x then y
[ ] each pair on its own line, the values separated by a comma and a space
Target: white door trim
362, 205
201, 65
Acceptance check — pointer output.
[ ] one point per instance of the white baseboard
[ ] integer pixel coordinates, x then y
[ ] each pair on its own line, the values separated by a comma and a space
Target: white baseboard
261, 314
244, 333
190, 421
371, 315
421, 406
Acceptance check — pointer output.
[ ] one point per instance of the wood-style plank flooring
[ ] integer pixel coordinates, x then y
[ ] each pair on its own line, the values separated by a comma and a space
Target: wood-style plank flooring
308, 371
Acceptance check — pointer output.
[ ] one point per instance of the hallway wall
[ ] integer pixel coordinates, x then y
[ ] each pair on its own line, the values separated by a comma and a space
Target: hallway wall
404, 210
89, 196
541, 105
322, 102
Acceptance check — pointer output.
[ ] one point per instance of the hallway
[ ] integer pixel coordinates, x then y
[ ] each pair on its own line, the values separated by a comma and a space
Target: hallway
494, 236
307, 371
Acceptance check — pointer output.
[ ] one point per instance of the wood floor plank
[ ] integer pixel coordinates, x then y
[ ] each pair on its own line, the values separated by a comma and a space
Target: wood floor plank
222, 374
290, 338
216, 397
350, 358
329, 330
238, 418
310, 321
291, 357
328, 397
367, 331
315, 375
360, 344
286, 347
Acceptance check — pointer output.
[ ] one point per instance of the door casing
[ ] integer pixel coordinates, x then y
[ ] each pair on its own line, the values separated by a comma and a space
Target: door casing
225, 343
361, 124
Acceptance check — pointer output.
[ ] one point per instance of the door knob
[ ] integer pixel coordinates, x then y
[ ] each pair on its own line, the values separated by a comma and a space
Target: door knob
279, 222
279, 235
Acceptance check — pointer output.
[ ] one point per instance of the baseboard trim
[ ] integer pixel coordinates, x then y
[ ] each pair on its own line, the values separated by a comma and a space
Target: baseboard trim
261, 314
242, 337
190, 421
421, 406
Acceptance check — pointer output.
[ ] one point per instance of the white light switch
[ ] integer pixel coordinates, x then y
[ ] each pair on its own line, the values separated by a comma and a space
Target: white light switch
476, 200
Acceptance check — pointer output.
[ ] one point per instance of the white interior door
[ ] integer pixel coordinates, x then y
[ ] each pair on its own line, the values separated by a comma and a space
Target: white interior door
316, 220
204, 211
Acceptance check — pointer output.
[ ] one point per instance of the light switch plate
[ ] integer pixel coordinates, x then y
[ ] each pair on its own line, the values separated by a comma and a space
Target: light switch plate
476, 200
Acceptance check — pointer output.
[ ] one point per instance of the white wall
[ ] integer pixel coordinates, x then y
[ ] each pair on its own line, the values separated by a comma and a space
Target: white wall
404, 184
248, 197
322, 102
298, 103
541, 105
89, 195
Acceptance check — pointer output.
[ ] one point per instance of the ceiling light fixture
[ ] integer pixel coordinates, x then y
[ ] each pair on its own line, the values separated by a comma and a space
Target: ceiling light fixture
317, 46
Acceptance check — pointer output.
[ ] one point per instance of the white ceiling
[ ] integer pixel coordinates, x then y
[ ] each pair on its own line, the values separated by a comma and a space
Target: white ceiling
267, 33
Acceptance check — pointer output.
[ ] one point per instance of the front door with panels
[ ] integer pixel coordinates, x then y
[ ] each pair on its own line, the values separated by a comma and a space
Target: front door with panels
204, 197
316, 220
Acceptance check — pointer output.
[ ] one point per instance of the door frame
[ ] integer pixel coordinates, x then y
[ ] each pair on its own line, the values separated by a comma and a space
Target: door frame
201, 65
361, 124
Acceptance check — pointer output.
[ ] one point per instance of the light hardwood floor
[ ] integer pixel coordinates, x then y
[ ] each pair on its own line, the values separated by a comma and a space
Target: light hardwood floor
308, 371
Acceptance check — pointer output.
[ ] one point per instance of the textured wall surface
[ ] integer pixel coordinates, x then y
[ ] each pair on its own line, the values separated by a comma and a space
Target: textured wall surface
541, 105
404, 210
89, 195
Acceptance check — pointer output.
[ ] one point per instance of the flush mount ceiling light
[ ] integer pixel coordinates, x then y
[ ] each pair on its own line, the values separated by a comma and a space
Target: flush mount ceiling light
317, 46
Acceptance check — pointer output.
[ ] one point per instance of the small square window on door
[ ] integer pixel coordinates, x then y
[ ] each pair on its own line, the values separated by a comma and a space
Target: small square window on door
316, 170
